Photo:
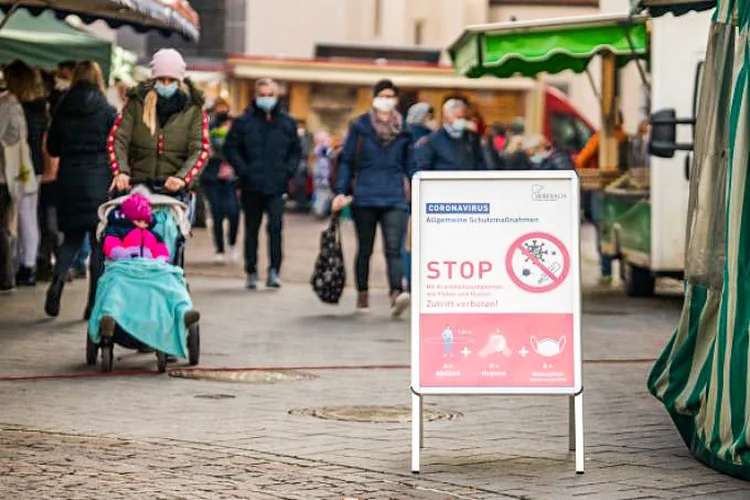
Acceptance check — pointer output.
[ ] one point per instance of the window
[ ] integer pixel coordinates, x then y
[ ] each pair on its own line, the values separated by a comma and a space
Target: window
569, 132
378, 17
418, 32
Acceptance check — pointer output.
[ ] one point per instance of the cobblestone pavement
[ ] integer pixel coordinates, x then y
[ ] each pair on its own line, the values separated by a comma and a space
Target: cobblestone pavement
142, 435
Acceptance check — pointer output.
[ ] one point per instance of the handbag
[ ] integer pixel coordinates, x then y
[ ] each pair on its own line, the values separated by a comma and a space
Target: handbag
329, 276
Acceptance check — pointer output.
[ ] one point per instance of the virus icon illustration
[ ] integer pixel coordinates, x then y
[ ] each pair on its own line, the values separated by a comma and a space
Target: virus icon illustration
536, 249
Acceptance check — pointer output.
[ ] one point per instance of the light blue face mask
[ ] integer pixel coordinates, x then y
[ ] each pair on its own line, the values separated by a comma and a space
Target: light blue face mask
537, 158
459, 125
266, 103
166, 91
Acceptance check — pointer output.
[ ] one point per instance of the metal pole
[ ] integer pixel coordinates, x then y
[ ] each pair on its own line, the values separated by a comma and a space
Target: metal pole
12, 10
416, 431
579, 432
571, 423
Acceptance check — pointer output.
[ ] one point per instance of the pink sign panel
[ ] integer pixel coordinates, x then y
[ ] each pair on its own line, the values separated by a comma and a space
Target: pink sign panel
497, 284
487, 350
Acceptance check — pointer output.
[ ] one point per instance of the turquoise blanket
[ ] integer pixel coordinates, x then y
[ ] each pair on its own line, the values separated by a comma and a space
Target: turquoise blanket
148, 299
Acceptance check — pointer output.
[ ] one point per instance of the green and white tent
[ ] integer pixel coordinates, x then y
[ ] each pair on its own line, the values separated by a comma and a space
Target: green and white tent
528, 48
702, 376
44, 41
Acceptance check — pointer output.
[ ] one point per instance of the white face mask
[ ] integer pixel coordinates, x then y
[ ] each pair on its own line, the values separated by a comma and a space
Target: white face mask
384, 104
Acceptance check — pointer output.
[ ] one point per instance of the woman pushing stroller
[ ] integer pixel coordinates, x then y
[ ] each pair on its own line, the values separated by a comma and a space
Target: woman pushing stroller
161, 136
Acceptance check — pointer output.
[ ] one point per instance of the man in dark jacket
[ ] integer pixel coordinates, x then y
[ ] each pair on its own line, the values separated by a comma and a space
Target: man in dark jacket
264, 149
451, 147
544, 156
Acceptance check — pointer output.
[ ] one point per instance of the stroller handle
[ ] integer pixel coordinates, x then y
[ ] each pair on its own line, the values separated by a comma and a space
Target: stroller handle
156, 186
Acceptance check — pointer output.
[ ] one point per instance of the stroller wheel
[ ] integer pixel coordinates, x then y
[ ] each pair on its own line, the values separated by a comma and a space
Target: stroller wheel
194, 344
92, 350
161, 362
107, 357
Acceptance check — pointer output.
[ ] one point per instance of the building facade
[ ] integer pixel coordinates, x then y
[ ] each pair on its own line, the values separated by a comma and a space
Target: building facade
314, 59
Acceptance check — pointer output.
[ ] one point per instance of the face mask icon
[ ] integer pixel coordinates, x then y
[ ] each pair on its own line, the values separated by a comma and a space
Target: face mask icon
547, 347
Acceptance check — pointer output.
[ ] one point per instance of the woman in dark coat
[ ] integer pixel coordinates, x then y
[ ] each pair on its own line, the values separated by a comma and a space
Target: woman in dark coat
376, 161
78, 136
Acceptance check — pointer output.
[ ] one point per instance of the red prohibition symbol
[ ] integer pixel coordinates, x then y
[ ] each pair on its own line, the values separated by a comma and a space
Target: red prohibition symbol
537, 262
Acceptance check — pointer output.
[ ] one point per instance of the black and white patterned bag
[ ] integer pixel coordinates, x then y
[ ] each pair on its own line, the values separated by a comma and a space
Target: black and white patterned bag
329, 277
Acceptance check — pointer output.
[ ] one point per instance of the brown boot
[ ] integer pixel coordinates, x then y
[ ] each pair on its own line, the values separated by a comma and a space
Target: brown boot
363, 301
106, 327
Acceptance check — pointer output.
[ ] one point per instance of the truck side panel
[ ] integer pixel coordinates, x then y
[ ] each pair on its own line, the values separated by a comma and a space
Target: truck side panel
678, 46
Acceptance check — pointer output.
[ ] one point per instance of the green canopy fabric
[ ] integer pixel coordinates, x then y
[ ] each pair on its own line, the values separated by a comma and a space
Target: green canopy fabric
529, 48
44, 41
702, 377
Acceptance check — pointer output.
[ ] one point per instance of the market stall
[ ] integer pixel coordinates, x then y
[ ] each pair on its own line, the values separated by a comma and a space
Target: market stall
702, 376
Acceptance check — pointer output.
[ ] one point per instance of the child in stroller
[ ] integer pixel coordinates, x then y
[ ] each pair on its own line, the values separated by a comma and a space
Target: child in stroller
142, 300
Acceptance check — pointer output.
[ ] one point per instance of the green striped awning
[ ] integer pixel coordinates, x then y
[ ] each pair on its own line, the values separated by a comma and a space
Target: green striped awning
703, 375
547, 46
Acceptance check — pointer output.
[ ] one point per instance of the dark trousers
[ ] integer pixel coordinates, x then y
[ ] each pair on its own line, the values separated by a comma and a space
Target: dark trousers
224, 204
50, 236
254, 205
72, 241
393, 227
7, 264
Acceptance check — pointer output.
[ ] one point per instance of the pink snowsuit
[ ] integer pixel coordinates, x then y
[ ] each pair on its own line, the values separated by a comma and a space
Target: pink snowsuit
137, 243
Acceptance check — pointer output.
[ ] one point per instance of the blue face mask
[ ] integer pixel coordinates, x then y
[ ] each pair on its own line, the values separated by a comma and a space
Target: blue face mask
166, 91
266, 103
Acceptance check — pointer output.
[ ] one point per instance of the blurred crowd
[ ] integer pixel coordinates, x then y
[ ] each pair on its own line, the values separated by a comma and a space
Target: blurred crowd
65, 149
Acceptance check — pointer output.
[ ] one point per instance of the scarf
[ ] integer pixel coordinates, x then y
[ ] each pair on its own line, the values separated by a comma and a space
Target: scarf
387, 130
160, 109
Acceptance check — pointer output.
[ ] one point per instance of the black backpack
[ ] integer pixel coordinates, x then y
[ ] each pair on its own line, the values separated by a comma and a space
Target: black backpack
329, 277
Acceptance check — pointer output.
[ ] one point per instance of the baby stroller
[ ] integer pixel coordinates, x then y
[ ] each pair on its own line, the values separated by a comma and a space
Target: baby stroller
146, 299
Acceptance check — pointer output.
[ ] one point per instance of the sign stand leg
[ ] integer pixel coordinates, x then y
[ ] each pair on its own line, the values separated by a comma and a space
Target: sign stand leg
578, 410
572, 423
421, 422
416, 431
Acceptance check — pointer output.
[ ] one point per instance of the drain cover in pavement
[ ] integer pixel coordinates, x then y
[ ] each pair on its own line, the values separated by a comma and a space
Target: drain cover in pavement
377, 414
244, 376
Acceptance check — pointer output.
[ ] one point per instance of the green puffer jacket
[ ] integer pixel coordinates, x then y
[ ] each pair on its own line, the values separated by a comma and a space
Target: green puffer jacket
179, 149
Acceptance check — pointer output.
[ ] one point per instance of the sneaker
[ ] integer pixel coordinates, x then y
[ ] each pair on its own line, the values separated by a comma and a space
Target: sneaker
234, 254
399, 303
363, 301
191, 318
25, 276
52, 302
252, 281
605, 281
219, 258
273, 280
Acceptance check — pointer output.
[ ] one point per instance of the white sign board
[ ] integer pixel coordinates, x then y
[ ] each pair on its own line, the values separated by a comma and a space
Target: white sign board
496, 285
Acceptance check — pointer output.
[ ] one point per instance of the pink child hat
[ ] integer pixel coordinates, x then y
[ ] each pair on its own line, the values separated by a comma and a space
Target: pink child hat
168, 63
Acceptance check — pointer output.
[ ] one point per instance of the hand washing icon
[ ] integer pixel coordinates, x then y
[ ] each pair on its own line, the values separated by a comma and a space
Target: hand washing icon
547, 347
496, 343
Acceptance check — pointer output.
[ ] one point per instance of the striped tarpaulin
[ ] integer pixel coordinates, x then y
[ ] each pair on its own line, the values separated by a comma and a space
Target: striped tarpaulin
702, 375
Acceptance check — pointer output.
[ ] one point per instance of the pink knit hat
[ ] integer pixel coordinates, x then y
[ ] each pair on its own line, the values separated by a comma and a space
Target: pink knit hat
136, 207
168, 63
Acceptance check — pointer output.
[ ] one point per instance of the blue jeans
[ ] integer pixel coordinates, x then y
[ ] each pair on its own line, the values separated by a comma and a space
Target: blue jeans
79, 264
605, 261
406, 262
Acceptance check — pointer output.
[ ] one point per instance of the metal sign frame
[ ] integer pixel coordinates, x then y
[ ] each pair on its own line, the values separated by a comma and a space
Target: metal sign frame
575, 392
